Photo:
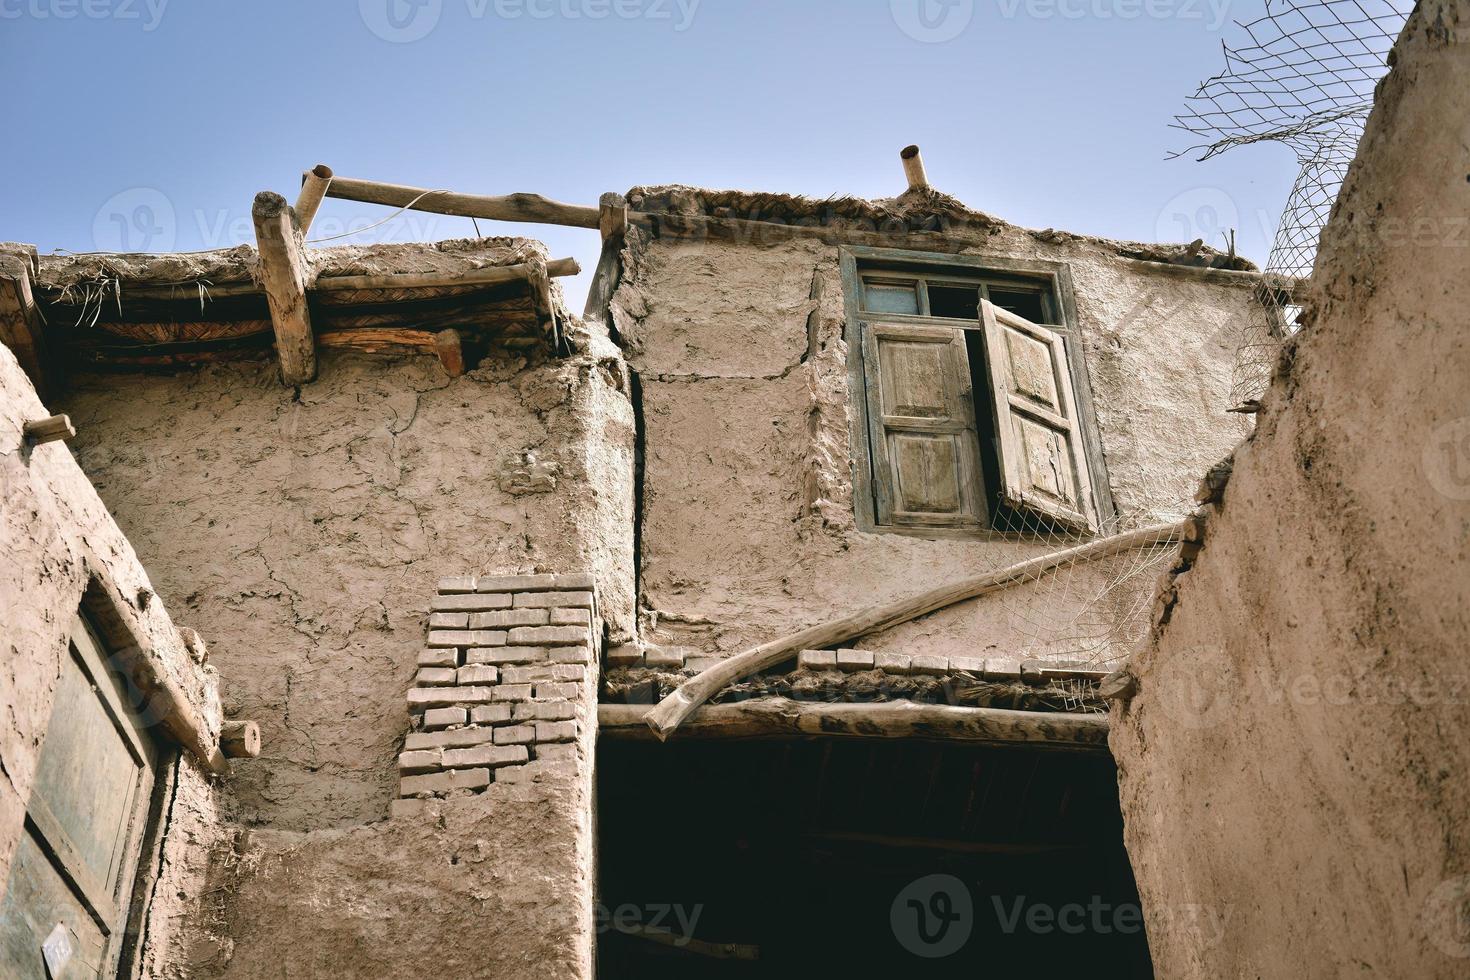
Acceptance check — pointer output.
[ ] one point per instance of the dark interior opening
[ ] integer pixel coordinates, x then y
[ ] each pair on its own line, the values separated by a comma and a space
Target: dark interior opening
960, 302
1022, 302
876, 857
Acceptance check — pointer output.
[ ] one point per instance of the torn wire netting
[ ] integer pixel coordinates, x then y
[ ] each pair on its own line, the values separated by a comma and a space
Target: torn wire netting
1305, 79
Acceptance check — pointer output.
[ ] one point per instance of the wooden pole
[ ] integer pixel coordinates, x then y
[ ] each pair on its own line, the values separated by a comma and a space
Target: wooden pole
469, 277
511, 207
285, 278
785, 718
672, 710
313, 188
913, 167
240, 739
20, 322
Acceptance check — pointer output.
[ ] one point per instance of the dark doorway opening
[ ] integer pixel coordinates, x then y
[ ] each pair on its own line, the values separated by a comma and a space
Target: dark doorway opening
877, 857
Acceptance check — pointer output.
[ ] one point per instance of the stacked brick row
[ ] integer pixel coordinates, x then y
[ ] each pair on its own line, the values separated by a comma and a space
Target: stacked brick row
502, 681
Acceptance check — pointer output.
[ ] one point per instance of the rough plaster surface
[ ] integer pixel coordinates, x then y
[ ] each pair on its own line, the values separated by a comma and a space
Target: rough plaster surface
1294, 769
496, 885
302, 531
55, 535
748, 523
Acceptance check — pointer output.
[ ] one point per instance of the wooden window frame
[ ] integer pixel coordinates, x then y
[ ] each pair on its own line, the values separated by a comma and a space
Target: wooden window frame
1052, 279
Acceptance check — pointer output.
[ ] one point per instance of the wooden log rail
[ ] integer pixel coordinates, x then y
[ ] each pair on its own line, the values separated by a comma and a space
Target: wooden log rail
511, 207
674, 709
785, 718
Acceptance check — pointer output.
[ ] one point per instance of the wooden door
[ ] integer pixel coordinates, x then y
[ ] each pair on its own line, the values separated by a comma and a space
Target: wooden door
66, 903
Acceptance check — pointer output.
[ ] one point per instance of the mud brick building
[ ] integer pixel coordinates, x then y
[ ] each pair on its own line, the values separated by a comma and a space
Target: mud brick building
369, 613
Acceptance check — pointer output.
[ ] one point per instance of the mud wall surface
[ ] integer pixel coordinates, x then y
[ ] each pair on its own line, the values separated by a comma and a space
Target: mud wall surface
56, 537
302, 533
1294, 768
748, 522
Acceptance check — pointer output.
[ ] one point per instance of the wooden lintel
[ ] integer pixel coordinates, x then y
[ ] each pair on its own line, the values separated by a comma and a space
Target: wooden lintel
511, 207
787, 718
285, 277
21, 326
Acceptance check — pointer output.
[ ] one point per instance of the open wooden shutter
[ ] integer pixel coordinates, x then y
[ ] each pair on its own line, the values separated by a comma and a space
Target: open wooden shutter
1042, 460
921, 418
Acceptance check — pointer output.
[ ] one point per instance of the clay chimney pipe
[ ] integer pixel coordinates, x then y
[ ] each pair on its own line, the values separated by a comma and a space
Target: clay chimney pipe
913, 167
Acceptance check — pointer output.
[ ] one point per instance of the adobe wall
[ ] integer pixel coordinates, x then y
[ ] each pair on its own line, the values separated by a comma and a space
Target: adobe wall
302, 532
748, 527
56, 535
1294, 772
305, 532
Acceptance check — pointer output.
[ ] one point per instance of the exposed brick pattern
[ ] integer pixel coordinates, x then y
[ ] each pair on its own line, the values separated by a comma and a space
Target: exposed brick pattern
506, 681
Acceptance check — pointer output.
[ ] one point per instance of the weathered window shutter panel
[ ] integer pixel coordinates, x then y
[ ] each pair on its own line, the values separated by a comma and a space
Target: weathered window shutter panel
1043, 469
70, 885
922, 419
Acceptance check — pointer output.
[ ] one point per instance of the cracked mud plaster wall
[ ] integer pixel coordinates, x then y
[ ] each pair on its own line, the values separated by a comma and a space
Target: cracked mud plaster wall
748, 526
1294, 771
302, 533
55, 535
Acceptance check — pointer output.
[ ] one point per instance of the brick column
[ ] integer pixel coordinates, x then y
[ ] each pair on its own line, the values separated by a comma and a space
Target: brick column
506, 687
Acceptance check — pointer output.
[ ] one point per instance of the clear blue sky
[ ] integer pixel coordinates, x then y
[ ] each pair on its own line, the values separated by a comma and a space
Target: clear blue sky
150, 124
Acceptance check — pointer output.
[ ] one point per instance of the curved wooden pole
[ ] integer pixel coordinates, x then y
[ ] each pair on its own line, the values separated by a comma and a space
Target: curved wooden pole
672, 710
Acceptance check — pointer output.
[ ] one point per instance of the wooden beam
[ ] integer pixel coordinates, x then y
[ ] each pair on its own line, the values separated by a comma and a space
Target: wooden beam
672, 710
313, 188
240, 739
448, 346
511, 207
784, 718
21, 327
51, 429
285, 277
489, 275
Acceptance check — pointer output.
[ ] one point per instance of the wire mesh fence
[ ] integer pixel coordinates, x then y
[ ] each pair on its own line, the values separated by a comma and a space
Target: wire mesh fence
1304, 77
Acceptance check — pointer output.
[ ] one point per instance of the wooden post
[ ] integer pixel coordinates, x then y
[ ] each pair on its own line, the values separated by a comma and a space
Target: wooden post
913, 167
240, 739
313, 188
284, 275
20, 322
511, 207
613, 219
